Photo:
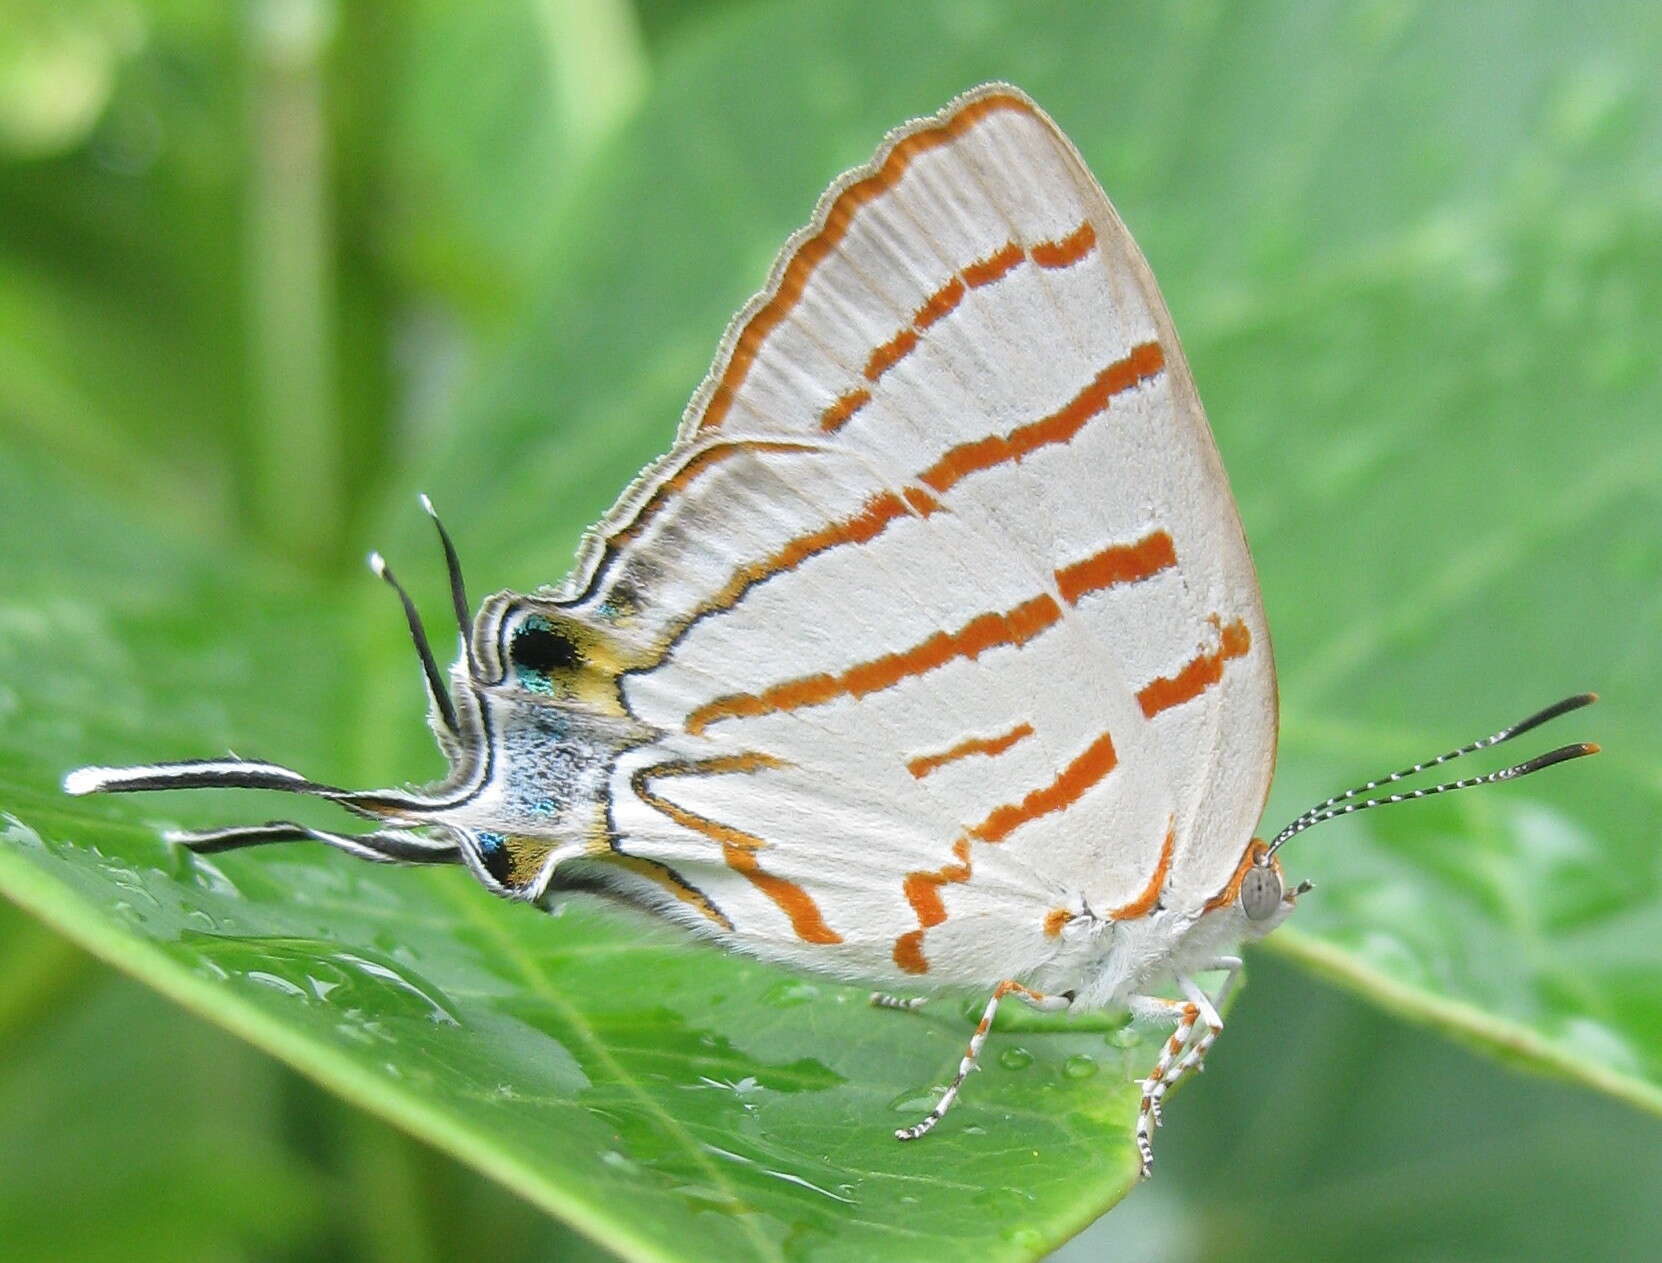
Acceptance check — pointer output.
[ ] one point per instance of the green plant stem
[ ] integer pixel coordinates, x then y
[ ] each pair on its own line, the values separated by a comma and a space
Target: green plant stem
293, 452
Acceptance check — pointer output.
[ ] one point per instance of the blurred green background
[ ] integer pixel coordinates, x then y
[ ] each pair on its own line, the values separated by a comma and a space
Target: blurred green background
266, 267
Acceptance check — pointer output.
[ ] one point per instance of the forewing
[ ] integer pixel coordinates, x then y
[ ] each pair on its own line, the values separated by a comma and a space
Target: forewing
941, 598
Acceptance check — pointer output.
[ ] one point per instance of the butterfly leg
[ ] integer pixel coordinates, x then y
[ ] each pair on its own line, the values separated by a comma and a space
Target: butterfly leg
1178, 1055
1184, 1016
1209, 1008
1040, 1001
883, 1000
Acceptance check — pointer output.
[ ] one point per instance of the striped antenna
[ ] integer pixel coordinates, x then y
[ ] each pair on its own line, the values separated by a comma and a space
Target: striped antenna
1346, 803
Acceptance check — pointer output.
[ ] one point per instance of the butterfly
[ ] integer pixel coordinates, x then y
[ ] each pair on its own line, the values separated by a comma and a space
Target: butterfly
930, 656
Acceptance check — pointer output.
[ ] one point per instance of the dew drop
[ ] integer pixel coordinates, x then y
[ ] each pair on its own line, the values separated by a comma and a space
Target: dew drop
276, 983
787, 993
1079, 1066
1030, 1239
1015, 1058
914, 1102
1127, 1036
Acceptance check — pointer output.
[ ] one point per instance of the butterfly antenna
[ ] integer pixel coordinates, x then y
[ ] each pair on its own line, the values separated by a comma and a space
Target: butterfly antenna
458, 590
1352, 801
435, 681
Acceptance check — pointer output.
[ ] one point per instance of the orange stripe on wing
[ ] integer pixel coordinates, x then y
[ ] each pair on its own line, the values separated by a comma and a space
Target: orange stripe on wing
1095, 762
984, 632
961, 461
738, 848
1144, 903
697, 465
868, 523
793, 276
1049, 254
837, 415
672, 881
1118, 563
908, 953
1068, 251
891, 353
1198, 675
994, 266
923, 889
957, 463
941, 303
924, 764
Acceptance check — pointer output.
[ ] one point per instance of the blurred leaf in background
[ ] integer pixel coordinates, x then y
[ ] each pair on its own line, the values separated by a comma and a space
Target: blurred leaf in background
266, 269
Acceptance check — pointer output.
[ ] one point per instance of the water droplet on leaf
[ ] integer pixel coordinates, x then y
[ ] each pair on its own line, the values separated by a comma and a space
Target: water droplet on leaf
1079, 1066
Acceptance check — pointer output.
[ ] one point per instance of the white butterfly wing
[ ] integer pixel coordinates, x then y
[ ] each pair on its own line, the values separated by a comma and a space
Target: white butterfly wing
942, 601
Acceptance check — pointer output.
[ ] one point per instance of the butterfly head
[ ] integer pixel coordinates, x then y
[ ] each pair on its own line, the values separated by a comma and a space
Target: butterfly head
1261, 891
1257, 898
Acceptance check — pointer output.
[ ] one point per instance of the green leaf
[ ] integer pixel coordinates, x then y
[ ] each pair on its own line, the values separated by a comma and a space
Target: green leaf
1414, 257
173, 1174
1333, 1132
671, 1101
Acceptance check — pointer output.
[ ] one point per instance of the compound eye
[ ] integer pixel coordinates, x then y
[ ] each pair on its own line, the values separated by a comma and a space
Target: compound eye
1260, 893
540, 650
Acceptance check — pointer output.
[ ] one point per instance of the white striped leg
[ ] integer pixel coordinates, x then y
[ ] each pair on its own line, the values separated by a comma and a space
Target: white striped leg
1178, 1055
1148, 1112
1040, 1001
883, 1000
1210, 1020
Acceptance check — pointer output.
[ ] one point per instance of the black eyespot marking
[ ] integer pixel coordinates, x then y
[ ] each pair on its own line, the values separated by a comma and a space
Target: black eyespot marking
493, 850
541, 650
